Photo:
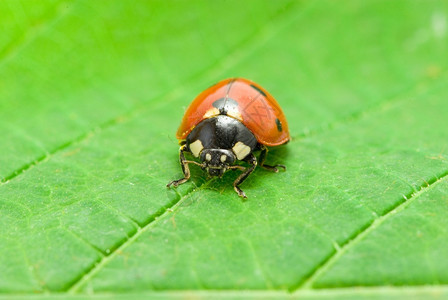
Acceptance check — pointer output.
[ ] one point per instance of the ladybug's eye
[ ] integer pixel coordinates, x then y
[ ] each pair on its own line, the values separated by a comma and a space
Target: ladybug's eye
208, 157
223, 158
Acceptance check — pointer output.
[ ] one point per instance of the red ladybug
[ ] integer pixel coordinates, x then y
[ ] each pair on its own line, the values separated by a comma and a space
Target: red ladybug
225, 124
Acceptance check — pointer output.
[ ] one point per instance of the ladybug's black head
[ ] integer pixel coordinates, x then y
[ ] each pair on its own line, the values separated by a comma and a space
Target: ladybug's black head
216, 161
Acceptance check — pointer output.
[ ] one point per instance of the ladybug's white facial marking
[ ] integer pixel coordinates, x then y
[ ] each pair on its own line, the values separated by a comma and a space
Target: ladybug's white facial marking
241, 150
196, 147
216, 161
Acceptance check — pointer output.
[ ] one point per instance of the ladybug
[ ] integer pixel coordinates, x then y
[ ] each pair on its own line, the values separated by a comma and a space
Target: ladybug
225, 124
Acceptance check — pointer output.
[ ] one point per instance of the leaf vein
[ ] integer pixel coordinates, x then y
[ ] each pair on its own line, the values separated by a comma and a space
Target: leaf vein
84, 241
326, 264
152, 221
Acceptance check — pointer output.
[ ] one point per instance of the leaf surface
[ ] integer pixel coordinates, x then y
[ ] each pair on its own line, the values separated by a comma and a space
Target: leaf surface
91, 97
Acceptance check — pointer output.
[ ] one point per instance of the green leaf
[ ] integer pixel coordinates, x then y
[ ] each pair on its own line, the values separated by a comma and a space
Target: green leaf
91, 95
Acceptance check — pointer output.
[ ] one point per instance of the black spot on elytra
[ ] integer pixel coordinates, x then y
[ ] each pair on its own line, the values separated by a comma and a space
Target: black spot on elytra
279, 125
225, 104
258, 90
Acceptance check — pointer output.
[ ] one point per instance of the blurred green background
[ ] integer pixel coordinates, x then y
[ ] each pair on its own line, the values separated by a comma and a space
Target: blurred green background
92, 92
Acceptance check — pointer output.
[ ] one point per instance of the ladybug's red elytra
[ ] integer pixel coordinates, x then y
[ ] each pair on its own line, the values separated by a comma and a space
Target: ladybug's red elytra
225, 124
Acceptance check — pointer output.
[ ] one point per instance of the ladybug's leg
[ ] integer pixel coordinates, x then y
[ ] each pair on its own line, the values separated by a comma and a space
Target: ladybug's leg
184, 163
251, 159
263, 154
